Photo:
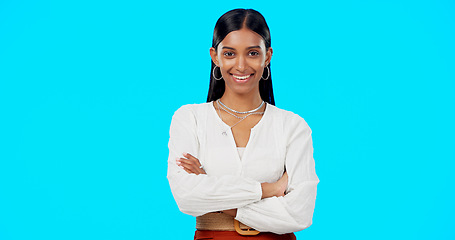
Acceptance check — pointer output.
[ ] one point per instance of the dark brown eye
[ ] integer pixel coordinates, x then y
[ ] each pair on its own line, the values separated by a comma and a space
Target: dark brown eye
229, 54
254, 53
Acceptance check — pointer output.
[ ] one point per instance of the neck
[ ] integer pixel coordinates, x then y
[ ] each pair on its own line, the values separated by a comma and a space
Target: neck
241, 102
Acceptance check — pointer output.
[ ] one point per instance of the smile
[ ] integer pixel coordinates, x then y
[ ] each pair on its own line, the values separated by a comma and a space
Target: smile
241, 77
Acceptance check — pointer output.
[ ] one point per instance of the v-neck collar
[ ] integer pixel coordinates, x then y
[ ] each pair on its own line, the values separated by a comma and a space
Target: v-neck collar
229, 133
267, 106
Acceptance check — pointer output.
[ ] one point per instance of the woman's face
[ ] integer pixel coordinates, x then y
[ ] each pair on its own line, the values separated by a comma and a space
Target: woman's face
242, 57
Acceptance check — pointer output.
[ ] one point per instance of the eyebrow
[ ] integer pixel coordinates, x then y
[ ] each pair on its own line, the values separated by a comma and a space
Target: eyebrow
246, 48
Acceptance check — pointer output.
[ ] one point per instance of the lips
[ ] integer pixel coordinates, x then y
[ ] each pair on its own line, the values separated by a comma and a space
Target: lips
241, 78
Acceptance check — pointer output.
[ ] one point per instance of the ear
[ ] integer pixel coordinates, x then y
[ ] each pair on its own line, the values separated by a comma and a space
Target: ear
213, 55
268, 56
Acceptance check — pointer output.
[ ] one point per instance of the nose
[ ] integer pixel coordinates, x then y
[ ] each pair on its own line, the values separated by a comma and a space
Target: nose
241, 64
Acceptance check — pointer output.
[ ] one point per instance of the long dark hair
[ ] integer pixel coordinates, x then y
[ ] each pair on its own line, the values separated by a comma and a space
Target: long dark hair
232, 21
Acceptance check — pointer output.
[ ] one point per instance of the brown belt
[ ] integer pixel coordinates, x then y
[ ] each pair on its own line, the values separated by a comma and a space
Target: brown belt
218, 221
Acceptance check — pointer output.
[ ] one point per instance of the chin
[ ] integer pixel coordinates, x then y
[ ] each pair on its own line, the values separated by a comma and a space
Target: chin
243, 90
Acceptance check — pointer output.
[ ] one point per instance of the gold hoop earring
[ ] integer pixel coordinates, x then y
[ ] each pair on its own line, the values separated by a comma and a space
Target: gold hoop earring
213, 73
268, 75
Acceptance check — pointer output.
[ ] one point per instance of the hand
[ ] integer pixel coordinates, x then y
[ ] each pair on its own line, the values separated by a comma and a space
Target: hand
276, 189
190, 164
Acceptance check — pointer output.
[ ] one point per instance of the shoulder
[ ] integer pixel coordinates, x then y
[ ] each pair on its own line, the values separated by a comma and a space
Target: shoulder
289, 118
192, 110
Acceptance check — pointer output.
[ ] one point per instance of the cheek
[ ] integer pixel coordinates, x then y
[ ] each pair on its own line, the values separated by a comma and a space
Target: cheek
225, 65
257, 63
257, 66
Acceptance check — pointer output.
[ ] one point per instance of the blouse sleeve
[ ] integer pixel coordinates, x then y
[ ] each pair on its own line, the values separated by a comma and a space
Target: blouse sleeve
199, 194
294, 211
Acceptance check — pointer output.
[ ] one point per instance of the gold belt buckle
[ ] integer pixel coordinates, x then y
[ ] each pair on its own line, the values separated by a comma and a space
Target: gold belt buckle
240, 231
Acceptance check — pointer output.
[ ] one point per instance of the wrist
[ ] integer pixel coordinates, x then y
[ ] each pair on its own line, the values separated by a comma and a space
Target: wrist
266, 190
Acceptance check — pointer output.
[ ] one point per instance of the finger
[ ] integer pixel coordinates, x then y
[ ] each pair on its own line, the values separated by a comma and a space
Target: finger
190, 165
196, 161
196, 168
192, 158
187, 168
179, 163
189, 171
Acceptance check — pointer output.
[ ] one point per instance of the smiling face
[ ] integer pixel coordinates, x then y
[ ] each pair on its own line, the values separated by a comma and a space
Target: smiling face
242, 57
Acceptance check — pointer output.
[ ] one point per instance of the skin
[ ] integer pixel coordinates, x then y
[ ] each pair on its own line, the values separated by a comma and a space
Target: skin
241, 53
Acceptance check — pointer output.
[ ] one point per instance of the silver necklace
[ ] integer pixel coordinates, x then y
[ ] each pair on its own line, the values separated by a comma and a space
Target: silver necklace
232, 114
232, 110
241, 118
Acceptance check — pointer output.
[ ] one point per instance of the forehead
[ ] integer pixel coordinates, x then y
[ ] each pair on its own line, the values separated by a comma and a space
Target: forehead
242, 38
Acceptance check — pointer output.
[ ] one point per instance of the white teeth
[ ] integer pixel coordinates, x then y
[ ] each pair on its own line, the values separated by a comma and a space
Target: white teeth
242, 77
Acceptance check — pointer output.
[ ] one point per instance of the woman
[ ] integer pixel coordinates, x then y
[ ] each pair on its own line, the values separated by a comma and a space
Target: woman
239, 164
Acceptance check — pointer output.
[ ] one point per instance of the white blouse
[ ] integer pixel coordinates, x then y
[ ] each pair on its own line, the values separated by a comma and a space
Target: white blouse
240, 151
280, 141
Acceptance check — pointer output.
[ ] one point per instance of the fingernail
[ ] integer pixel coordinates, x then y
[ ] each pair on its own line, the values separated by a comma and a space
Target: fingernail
184, 154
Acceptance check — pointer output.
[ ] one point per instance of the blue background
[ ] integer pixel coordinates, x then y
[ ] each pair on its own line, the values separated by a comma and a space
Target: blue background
88, 88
